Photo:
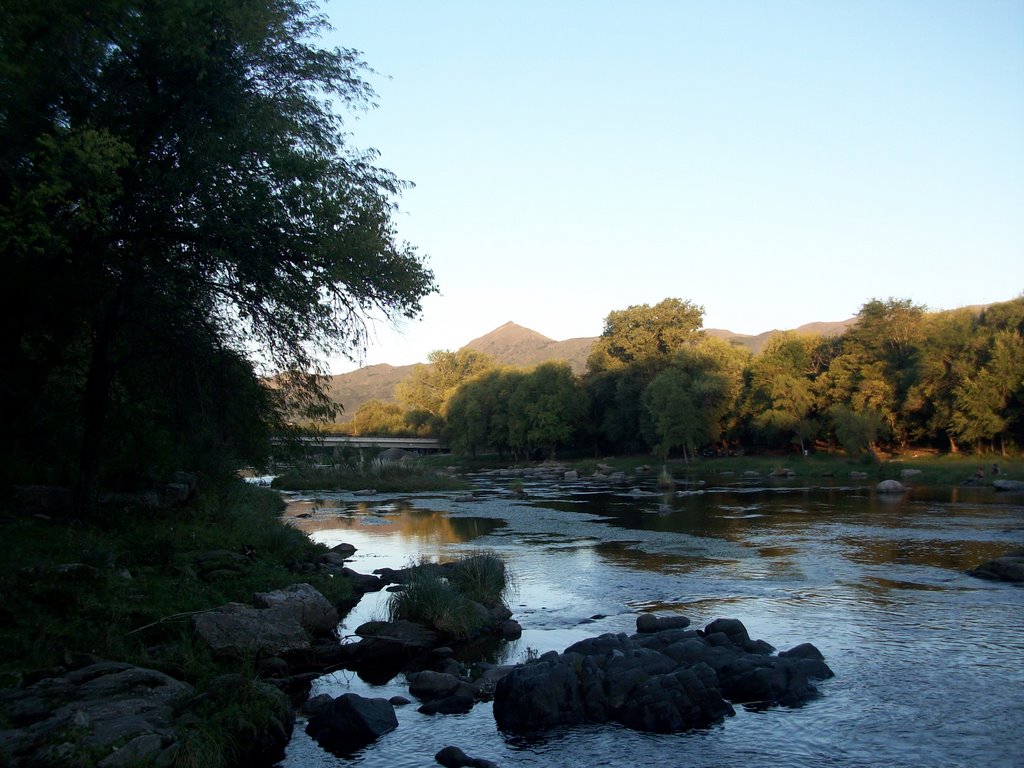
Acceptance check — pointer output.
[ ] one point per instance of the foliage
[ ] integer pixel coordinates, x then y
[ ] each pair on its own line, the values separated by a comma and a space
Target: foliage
175, 177
780, 397
517, 411
900, 377
646, 336
857, 430
687, 402
430, 386
376, 417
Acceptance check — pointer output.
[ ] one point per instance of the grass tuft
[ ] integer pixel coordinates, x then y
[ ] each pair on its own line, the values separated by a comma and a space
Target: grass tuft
454, 601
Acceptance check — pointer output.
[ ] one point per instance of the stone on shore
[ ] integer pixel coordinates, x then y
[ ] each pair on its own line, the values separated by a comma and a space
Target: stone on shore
890, 486
122, 714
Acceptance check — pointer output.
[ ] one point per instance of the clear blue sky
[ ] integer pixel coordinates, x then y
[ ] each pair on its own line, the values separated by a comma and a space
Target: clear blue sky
776, 162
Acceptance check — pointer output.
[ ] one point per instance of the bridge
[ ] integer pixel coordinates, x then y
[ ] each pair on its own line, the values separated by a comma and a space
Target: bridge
417, 444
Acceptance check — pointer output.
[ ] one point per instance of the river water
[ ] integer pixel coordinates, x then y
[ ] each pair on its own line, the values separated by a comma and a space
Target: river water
929, 662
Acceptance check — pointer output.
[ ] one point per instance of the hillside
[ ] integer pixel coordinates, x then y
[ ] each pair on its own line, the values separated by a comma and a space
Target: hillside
756, 343
512, 344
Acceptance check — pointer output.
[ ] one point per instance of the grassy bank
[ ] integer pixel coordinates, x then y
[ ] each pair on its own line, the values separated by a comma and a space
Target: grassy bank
124, 585
934, 469
408, 476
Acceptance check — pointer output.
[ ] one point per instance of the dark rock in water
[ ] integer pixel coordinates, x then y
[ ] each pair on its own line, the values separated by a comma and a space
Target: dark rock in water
1008, 485
453, 757
648, 622
362, 582
1006, 568
317, 705
351, 722
442, 693
663, 681
344, 549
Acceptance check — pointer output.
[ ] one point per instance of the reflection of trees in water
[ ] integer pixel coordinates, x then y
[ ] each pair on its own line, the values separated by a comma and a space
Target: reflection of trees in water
957, 555
401, 520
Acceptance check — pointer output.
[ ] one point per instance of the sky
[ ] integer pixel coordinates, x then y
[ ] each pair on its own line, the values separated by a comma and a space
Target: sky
777, 163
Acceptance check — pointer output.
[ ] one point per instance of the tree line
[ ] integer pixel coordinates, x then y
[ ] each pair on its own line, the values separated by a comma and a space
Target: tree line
900, 376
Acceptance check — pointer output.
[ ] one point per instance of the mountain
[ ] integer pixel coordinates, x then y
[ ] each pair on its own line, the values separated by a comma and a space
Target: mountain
512, 344
374, 382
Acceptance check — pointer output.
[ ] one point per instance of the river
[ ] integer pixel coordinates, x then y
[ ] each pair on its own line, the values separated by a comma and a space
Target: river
929, 662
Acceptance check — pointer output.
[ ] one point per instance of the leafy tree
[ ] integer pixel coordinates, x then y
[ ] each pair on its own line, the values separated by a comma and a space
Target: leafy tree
545, 409
477, 416
646, 336
687, 402
430, 385
780, 399
948, 357
857, 430
377, 417
175, 176
983, 400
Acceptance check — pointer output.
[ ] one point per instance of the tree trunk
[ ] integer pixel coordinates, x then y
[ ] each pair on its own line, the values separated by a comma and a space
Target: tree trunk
94, 410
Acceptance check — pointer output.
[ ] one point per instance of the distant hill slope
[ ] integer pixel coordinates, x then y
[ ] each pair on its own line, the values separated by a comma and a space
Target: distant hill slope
512, 344
374, 382
756, 343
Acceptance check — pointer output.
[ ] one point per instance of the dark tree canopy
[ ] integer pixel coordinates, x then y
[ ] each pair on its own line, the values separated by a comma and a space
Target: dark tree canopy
175, 180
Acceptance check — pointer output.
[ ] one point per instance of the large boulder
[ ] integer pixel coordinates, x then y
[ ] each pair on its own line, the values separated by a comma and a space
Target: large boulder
664, 681
351, 722
238, 631
891, 486
303, 603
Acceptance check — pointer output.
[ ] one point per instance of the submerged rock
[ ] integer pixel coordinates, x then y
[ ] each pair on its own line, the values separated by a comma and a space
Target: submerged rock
453, 757
666, 680
1006, 568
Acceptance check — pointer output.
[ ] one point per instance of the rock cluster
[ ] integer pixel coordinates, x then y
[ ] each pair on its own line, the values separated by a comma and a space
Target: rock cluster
661, 679
116, 715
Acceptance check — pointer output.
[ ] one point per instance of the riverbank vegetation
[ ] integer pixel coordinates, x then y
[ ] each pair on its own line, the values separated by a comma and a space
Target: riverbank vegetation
403, 476
125, 585
900, 378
